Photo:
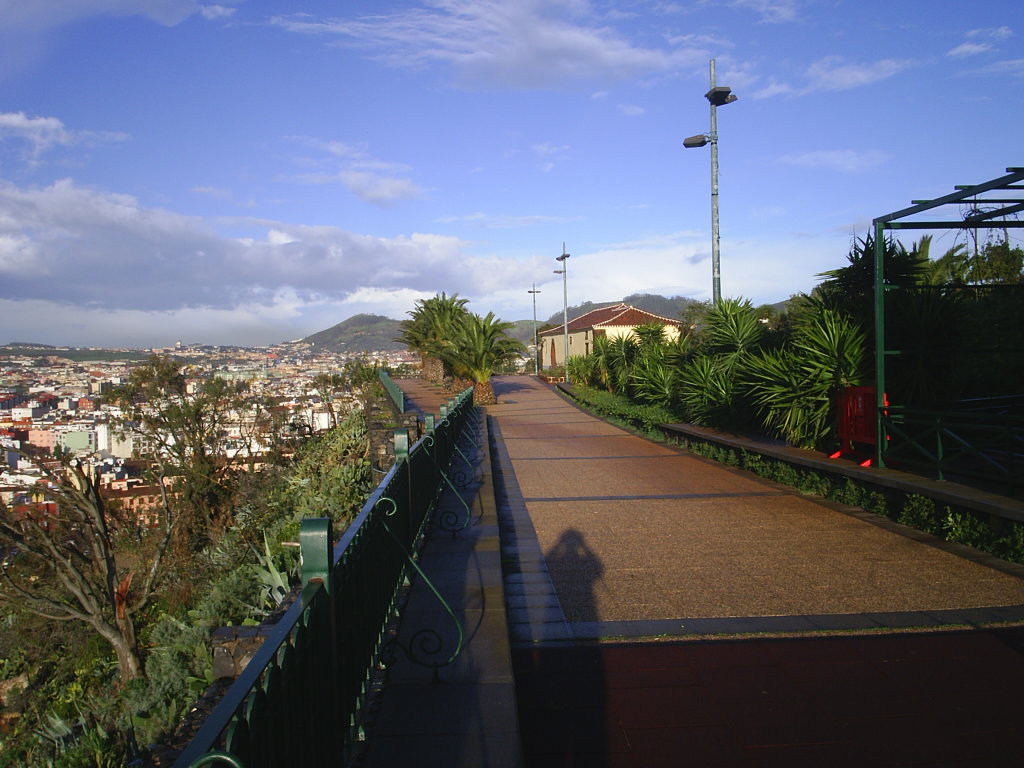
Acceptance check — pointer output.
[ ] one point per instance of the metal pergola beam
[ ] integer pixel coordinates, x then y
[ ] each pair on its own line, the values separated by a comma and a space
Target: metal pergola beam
985, 220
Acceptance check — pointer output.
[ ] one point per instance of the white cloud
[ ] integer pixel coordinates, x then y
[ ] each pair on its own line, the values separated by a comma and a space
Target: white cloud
630, 110
44, 14
968, 49
525, 44
379, 190
214, 12
833, 73
492, 221
771, 10
376, 181
980, 41
774, 88
42, 134
79, 247
844, 160
545, 149
992, 33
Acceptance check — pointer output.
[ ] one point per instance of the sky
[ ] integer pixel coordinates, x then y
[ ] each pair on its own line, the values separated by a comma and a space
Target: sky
255, 171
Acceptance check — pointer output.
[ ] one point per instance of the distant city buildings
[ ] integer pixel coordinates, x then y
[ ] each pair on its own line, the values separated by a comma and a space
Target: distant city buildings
52, 407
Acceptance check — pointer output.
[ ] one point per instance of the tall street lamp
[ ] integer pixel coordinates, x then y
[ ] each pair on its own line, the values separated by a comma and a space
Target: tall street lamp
536, 345
564, 272
717, 97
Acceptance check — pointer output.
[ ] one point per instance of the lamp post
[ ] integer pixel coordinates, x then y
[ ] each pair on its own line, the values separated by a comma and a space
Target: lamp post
536, 345
564, 272
717, 97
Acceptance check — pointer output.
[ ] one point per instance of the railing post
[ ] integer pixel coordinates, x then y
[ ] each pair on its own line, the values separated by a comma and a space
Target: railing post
428, 422
401, 444
315, 550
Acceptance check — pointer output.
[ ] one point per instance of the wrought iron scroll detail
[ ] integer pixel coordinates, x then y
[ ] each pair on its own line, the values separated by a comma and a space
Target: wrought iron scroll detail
425, 645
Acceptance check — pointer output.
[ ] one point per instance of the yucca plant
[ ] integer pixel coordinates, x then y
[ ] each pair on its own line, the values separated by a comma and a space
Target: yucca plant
707, 393
582, 369
794, 388
622, 353
653, 382
600, 355
733, 332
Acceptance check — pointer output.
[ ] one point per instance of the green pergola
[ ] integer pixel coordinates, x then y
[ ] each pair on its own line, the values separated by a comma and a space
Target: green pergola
989, 205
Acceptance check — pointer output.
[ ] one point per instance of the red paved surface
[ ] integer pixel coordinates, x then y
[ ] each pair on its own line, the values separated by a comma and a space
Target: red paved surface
942, 699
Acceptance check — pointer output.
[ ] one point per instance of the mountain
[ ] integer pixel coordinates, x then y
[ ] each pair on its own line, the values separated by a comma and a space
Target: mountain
360, 333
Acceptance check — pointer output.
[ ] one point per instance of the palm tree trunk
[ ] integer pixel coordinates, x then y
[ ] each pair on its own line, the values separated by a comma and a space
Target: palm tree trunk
483, 393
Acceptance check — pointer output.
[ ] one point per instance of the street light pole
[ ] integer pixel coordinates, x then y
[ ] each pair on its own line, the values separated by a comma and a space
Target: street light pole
716, 274
564, 272
536, 345
717, 96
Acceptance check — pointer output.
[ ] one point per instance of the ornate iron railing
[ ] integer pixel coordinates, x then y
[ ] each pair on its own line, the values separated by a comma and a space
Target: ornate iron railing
394, 391
972, 447
300, 701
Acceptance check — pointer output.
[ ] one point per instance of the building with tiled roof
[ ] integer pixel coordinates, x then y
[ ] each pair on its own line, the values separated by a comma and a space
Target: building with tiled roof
616, 320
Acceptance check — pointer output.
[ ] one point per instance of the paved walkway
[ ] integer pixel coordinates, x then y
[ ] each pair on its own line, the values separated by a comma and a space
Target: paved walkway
664, 610
642, 539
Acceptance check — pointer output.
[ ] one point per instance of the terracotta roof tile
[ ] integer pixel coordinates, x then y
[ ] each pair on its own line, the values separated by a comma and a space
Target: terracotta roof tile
617, 314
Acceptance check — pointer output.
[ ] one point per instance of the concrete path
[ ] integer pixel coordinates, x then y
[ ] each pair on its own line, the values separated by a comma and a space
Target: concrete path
664, 610
642, 539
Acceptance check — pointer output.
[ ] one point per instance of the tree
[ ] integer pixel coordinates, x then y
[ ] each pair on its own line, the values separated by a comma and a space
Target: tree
851, 289
183, 426
478, 346
430, 326
65, 565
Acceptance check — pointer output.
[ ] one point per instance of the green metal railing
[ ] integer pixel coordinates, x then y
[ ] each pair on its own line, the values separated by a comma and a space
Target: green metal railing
394, 391
967, 446
300, 701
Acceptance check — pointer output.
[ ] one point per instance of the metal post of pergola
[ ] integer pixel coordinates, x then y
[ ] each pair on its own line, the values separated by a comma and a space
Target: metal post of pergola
993, 203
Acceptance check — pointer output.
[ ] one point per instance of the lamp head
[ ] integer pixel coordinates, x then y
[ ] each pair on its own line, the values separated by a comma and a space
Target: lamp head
695, 141
720, 96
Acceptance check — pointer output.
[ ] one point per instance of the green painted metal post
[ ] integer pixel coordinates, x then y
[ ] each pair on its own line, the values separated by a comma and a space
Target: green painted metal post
879, 343
315, 541
428, 422
401, 444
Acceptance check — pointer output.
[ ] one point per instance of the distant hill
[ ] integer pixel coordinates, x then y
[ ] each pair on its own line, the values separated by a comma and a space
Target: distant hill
360, 333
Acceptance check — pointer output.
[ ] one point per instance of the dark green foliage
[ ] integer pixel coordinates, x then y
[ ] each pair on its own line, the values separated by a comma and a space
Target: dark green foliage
620, 410
794, 388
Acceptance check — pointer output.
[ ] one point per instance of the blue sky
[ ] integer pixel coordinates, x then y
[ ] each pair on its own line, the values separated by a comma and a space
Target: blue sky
255, 171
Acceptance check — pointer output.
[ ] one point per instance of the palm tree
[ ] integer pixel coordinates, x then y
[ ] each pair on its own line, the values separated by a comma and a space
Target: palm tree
432, 324
477, 347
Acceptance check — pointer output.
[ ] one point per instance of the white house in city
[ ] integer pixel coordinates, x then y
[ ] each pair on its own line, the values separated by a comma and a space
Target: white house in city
613, 321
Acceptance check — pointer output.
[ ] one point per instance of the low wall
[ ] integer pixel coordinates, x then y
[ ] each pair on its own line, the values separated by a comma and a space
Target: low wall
942, 492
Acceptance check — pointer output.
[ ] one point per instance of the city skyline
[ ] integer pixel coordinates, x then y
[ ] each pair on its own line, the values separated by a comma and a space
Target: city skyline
252, 172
